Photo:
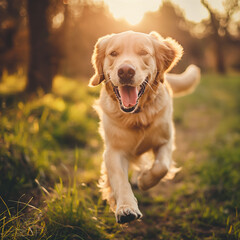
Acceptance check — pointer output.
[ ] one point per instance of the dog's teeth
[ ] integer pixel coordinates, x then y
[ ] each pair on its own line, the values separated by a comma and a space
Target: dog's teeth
140, 93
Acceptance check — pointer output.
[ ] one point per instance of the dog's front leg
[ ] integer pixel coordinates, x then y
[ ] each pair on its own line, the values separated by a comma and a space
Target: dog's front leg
160, 167
117, 172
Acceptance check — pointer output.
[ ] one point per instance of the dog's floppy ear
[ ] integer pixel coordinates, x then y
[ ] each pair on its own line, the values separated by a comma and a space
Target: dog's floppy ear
168, 52
97, 61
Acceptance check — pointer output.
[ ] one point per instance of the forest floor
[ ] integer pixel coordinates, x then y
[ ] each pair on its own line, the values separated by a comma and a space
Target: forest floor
50, 156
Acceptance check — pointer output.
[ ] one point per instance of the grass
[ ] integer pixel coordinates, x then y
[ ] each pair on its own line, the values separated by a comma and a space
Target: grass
50, 154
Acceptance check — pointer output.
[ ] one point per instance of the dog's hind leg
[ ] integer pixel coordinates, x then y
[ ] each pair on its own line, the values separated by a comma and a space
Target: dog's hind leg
163, 161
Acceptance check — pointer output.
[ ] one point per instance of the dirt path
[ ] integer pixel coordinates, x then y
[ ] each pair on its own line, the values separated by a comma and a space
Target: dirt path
190, 150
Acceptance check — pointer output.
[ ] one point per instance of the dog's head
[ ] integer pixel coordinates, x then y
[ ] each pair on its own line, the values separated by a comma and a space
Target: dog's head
130, 62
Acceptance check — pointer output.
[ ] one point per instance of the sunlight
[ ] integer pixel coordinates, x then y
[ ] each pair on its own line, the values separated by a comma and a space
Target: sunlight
132, 11
193, 10
58, 20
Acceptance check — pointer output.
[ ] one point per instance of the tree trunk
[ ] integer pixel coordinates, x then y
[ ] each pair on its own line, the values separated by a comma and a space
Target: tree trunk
40, 68
220, 64
218, 41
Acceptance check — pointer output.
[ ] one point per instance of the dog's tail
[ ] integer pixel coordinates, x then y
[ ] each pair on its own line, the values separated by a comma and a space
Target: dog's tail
185, 82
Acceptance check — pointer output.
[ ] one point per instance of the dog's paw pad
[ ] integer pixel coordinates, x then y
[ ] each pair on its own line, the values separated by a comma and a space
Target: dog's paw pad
125, 215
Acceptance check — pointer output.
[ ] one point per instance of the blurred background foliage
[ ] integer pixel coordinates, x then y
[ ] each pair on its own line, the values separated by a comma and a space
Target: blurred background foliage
44, 38
50, 150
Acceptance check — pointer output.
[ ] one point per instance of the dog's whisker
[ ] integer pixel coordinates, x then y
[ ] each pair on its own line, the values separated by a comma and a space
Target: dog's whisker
107, 81
151, 87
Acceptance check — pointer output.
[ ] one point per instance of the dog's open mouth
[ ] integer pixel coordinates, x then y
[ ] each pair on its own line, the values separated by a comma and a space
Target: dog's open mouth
128, 96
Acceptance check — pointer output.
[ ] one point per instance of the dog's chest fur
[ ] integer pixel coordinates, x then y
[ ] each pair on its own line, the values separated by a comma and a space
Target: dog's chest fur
135, 133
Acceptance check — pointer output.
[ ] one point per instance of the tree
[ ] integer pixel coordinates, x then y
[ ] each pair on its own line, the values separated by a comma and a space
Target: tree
10, 20
219, 30
169, 21
39, 70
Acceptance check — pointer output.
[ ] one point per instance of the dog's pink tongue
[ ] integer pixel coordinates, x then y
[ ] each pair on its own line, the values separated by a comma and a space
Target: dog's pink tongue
128, 95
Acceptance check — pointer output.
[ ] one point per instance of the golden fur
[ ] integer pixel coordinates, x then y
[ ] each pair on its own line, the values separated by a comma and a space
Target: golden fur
149, 127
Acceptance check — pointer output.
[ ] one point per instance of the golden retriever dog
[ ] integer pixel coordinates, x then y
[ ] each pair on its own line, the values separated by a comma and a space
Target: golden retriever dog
135, 109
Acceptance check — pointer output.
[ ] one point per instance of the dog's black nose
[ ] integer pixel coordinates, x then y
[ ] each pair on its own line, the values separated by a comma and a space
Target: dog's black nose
126, 72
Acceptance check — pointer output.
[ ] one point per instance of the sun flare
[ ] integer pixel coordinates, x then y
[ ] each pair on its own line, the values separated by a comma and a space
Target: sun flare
131, 10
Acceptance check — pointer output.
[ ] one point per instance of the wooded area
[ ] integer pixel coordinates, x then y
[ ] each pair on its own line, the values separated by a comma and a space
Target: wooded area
50, 149
45, 38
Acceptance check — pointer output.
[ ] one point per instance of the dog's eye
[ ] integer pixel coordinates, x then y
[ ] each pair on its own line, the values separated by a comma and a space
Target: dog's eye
143, 52
114, 53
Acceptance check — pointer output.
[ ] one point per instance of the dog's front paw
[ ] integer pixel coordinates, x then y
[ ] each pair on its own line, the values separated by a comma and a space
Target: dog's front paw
126, 214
